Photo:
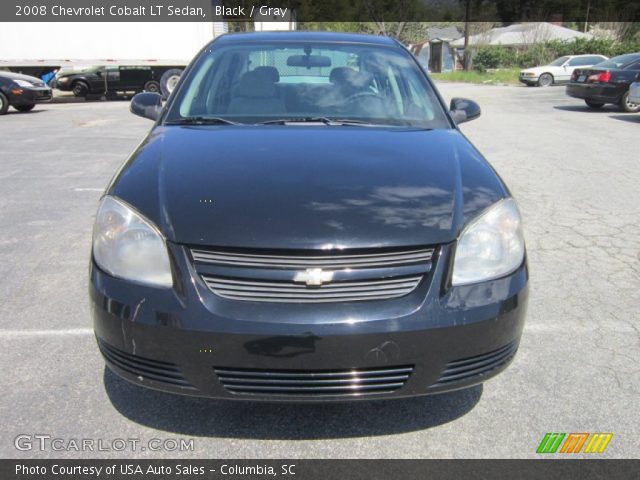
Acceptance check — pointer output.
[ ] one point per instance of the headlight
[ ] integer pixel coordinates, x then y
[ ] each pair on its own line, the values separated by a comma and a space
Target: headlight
127, 245
62, 79
491, 246
23, 83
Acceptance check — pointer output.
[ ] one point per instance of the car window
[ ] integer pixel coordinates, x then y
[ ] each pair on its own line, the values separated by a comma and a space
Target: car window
576, 62
621, 61
633, 66
581, 61
558, 62
253, 83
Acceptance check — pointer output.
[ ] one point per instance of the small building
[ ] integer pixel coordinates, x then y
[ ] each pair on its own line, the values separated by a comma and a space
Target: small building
436, 53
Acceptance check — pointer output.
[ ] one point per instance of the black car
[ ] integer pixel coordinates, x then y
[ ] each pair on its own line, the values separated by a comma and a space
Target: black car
607, 82
305, 221
114, 79
22, 92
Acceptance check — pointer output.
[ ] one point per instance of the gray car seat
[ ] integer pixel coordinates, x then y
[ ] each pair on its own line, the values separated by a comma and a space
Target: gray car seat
256, 93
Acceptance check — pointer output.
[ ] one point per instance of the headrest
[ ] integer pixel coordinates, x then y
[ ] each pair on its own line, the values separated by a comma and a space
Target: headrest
269, 74
253, 84
338, 74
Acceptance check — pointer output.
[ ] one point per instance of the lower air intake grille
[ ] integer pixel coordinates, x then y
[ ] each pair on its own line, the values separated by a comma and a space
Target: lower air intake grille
268, 291
460, 370
155, 370
299, 382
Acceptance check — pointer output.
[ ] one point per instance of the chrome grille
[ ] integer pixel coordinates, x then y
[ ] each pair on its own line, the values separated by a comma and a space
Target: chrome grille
301, 382
314, 276
268, 291
319, 261
141, 367
467, 368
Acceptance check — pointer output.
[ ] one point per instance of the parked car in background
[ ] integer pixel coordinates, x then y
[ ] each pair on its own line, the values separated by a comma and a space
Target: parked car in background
21, 92
113, 79
607, 82
634, 91
559, 70
306, 221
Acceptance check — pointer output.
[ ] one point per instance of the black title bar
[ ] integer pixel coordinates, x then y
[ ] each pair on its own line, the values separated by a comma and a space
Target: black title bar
316, 469
320, 10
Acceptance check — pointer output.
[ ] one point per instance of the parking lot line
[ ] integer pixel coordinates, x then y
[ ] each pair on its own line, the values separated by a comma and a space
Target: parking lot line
45, 333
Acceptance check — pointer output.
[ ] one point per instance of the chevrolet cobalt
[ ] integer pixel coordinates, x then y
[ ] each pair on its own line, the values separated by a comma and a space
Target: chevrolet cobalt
305, 221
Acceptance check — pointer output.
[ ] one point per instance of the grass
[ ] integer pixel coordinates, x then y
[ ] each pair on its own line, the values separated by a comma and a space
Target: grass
494, 77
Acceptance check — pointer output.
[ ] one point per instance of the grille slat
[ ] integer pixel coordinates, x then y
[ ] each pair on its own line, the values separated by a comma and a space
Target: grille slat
337, 382
380, 274
306, 374
311, 383
308, 261
466, 368
156, 370
253, 285
291, 292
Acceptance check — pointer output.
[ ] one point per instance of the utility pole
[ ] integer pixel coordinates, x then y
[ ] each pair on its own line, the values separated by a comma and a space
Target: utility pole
467, 53
586, 18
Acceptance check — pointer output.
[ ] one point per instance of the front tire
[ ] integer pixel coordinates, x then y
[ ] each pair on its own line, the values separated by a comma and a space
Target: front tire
80, 89
628, 106
545, 80
168, 81
25, 108
4, 104
152, 86
591, 104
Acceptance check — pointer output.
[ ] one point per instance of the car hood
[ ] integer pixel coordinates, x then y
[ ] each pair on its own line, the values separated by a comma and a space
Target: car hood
19, 76
307, 186
540, 70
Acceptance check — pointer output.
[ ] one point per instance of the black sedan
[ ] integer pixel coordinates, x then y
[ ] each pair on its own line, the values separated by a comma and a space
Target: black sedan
607, 82
305, 221
22, 92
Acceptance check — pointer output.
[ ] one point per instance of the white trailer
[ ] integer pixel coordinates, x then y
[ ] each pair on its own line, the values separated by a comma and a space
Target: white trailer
35, 48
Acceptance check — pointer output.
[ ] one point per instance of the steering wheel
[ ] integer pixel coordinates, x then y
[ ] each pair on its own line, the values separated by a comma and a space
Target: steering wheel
362, 94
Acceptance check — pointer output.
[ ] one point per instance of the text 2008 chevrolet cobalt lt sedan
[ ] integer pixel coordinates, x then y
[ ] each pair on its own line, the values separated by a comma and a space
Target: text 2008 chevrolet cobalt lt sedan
305, 222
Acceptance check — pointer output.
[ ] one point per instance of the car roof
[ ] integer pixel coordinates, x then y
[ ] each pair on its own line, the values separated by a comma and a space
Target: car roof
584, 55
337, 37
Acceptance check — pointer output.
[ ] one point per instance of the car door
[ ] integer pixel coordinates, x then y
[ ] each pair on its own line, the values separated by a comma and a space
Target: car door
571, 65
134, 77
112, 73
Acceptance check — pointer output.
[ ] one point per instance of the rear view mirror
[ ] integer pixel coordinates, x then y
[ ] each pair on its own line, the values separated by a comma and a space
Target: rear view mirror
308, 61
463, 110
146, 105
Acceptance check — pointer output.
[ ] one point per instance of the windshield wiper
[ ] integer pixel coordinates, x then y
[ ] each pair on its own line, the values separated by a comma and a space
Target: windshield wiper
202, 120
325, 120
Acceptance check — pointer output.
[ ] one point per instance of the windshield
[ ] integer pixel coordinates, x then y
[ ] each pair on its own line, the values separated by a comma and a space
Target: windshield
299, 81
558, 62
619, 62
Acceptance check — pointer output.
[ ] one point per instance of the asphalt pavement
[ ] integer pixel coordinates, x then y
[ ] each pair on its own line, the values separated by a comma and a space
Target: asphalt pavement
575, 173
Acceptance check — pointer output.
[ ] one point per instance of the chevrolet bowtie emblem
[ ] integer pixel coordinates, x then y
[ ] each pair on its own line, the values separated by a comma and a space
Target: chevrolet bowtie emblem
313, 277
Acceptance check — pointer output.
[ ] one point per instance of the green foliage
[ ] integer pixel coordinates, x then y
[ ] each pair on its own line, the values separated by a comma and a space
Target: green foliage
542, 53
491, 57
497, 77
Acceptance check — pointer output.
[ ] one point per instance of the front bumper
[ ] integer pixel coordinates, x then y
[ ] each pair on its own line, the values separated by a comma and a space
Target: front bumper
30, 96
186, 339
595, 92
528, 80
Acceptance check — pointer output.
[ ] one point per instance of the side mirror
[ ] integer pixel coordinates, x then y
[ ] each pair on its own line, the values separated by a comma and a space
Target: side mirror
146, 105
463, 110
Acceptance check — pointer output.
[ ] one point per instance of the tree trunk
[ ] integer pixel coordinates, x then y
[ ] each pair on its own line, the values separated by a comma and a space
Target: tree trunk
467, 54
